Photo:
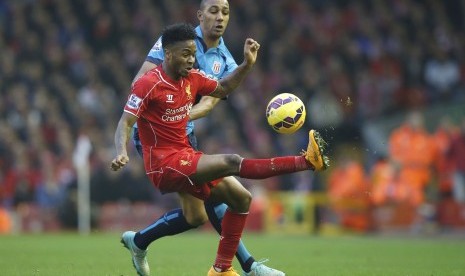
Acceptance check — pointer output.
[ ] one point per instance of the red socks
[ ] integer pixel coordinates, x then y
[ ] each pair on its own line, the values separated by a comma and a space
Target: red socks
264, 168
232, 225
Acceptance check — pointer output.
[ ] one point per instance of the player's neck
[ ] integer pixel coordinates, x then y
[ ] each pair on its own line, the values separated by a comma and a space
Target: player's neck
173, 76
211, 43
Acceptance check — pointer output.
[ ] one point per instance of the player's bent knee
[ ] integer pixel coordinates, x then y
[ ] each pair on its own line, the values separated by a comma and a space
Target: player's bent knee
242, 204
196, 219
247, 200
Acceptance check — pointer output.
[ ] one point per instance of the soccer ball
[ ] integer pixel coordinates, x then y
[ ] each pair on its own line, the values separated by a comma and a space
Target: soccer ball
285, 113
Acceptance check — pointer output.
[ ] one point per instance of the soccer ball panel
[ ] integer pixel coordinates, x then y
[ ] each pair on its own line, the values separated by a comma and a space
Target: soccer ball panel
285, 113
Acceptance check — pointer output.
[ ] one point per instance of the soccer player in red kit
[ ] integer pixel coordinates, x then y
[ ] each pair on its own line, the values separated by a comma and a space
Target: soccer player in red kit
160, 102
214, 59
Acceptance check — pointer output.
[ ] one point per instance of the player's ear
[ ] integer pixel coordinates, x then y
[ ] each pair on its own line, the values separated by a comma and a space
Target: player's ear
167, 53
200, 15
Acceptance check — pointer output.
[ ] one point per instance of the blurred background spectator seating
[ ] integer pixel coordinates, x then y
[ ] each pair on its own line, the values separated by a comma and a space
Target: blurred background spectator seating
367, 71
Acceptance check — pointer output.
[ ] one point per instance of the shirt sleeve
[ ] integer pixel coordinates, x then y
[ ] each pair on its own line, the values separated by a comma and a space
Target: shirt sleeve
156, 54
137, 100
205, 85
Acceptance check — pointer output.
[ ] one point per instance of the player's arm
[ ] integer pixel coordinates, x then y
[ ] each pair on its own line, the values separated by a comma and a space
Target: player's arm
146, 66
207, 103
232, 81
203, 107
154, 58
122, 134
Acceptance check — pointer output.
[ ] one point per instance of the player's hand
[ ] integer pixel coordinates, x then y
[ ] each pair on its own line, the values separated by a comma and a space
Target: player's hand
119, 162
250, 51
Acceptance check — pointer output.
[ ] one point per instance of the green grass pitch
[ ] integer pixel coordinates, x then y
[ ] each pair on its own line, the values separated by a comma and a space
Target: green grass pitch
193, 253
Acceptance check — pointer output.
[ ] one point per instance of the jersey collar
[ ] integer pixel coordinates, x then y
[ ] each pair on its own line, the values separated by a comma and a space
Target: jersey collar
198, 30
167, 79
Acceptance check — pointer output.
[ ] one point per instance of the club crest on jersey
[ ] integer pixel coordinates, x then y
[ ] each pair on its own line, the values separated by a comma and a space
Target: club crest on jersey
216, 67
188, 92
133, 102
169, 98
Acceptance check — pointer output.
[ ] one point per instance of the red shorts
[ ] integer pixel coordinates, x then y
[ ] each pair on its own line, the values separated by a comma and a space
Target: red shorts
171, 174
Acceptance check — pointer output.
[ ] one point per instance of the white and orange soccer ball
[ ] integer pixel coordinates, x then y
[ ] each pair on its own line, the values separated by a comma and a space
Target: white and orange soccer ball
285, 113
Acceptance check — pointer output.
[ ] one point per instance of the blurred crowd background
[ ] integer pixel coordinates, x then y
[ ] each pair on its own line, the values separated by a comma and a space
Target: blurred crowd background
383, 81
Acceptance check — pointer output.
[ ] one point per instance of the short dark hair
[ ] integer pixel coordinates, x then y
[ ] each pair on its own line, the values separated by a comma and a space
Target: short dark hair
202, 4
176, 33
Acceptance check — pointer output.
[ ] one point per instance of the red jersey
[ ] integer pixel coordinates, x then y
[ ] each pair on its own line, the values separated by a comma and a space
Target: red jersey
162, 106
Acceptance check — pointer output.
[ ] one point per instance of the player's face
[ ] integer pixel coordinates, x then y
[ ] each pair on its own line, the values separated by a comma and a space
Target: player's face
214, 18
181, 57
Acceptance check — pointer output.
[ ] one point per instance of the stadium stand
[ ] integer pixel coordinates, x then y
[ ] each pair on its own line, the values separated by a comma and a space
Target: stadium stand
67, 64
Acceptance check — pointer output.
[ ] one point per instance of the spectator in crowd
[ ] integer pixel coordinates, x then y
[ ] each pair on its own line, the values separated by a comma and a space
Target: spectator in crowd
443, 164
348, 193
412, 151
457, 154
6, 224
389, 188
442, 76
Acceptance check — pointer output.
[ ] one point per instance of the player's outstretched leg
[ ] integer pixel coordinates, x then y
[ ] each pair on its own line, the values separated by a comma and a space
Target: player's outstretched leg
138, 255
311, 159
